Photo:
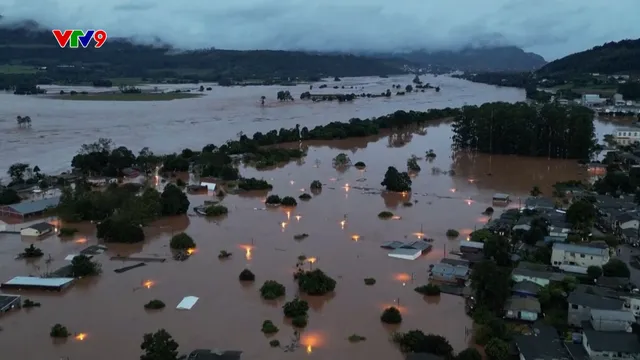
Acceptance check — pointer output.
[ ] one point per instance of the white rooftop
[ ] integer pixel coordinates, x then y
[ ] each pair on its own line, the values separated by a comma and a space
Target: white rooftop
38, 281
187, 303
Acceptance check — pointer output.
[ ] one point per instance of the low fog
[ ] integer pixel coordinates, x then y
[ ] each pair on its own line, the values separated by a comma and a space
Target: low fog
551, 28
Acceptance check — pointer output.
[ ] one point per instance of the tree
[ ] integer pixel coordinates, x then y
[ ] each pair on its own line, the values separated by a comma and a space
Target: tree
295, 308
117, 229
481, 235
81, 265
412, 164
492, 285
247, 275
341, 159
159, 346
535, 191
416, 80
581, 214
498, 248
316, 282
616, 268
284, 96
469, 354
174, 201
497, 349
396, 181
272, 290
594, 272
16, 172
182, 241
408, 88
391, 315
9, 196
415, 341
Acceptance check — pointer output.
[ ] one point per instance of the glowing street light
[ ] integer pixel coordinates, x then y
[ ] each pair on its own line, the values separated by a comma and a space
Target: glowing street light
355, 237
81, 336
342, 223
288, 215
148, 284
298, 217
311, 261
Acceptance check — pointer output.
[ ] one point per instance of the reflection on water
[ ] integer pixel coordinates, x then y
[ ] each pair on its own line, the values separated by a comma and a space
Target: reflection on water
344, 240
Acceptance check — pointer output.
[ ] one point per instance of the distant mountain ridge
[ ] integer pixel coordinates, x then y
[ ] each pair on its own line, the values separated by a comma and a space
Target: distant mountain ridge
609, 58
485, 59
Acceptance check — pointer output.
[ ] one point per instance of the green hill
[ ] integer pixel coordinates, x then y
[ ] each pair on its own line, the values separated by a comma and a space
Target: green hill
610, 58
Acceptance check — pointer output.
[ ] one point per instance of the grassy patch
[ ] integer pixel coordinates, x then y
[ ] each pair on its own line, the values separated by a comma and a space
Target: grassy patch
126, 81
127, 97
17, 69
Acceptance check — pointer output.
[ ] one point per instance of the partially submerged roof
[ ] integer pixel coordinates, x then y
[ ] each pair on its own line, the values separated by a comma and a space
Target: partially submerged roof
418, 245
472, 244
187, 303
404, 253
392, 245
587, 250
454, 262
201, 354
538, 274
38, 281
6, 300
450, 270
539, 202
35, 206
542, 344
523, 303
41, 226
500, 196
594, 301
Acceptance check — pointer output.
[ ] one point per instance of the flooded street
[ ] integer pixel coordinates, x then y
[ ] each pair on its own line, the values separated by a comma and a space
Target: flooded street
228, 316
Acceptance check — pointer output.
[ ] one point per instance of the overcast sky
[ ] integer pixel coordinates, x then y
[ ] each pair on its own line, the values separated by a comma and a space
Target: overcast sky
551, 28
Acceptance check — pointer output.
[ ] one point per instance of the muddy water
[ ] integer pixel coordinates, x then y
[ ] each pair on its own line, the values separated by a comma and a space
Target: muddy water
60, 126
109, 308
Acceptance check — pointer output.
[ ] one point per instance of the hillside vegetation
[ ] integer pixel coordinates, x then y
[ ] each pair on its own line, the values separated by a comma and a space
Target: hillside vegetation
610, 58
23, 52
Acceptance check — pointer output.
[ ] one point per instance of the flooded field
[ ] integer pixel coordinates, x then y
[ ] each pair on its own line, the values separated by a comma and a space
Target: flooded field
109, 308
59, 127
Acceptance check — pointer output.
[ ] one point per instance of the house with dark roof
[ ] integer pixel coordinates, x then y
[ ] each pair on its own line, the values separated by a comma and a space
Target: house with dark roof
610, 344
29, 208
522, 308
526, 288
540, 277
539, 203
612, 320
37, 230
543, 343
581, 303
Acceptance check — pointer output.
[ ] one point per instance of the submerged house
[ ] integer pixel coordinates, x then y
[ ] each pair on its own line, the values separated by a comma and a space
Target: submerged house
449, 273
411, 251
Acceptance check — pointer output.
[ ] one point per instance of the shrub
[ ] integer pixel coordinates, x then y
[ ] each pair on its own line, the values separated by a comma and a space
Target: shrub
154, 305
315, 282
412, 164
288, 201
31, 252
274, 343
273, 200
269, 328
417, 341
316, 185
391, 315
30, 304
272, 290
182, 241
356, 338
452, 233
429, 290
254, 184
360, 165
216, 210
369, 281
299, 321
341, 159
300, 236
385, 215
304, 196
180, 183
488, 211
407, 204
59, 331
295, 308
430, 154
224, 254
247, 275
67, 231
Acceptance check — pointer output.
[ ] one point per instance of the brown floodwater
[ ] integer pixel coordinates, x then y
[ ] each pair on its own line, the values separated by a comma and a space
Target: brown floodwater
109, 308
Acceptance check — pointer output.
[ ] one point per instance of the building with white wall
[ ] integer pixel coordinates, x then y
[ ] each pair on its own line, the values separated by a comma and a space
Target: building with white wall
627, 136
574, 258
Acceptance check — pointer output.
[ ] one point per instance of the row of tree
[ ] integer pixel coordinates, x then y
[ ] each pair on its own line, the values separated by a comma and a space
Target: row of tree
520, 129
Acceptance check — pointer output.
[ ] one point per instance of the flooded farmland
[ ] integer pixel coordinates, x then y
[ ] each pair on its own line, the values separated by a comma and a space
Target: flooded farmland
228, 315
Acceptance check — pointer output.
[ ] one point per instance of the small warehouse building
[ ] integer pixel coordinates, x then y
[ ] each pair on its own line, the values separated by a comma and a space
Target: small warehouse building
37, 283
29, 208
37, 230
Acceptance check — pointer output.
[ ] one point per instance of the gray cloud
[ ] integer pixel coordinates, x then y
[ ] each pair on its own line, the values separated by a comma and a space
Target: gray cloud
552, 28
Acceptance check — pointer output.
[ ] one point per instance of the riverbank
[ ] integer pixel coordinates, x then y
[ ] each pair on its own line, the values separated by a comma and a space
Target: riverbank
117, 96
